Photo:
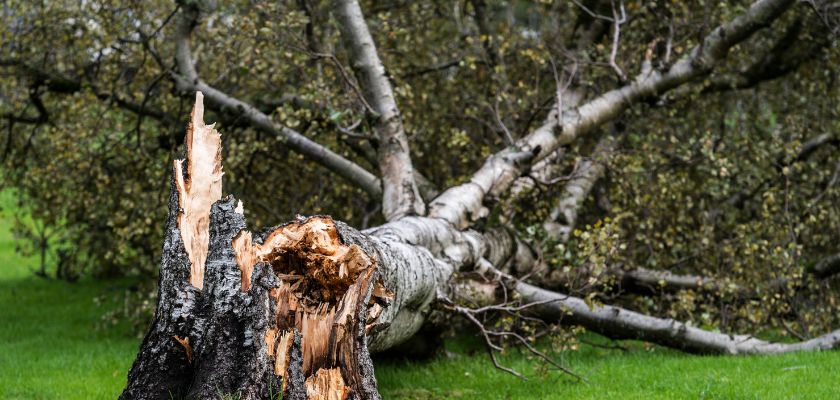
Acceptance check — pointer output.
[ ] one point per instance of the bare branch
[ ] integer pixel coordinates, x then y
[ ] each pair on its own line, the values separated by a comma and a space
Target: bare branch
490, 345
460, 205
592, 13
420, 71
785, 56
400, 196
617, 22
563, 217
539, 354
470, 314
188, 81
619, 323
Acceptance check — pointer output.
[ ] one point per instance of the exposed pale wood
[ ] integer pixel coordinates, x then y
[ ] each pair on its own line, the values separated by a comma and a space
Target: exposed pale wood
185, 342
281, 361
271, 341
201, 187
245, 258
327, 384
323, 282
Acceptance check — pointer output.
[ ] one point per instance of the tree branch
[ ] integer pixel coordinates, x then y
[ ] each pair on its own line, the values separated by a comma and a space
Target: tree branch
619, 323
563, 217
785, 56
462, 204
188, 82
400, 194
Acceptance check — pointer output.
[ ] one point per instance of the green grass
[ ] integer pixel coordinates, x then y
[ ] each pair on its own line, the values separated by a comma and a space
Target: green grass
51, 348
613, 374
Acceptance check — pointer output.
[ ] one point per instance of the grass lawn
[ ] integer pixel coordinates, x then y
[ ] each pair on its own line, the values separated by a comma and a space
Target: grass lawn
50, 349
612, 374
49, 345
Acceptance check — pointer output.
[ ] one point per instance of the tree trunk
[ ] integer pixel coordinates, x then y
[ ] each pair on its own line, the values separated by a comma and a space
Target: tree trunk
296, 310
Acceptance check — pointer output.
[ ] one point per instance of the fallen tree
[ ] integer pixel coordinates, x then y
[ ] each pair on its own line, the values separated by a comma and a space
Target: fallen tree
297, 309
293, 310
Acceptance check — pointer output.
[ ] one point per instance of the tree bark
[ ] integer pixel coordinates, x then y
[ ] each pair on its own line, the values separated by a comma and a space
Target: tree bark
293, 310
563, 217
463, 204
400, 194
188, 82
619, 323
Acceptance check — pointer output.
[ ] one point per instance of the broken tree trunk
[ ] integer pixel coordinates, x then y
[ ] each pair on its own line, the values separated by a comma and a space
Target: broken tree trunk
296, 310
293, 310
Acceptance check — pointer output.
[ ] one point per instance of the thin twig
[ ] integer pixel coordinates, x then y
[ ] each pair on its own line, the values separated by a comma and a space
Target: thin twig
490, 345
507, 136
592, 13
617, 21
539, 354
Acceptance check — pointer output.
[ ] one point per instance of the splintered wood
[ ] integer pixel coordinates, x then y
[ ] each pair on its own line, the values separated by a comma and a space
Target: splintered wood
327, 384
199, 190
185, 343
280, 352
323, 286
245, 258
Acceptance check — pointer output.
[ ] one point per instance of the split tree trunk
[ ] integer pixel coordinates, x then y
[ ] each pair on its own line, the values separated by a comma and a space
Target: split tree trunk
296, 310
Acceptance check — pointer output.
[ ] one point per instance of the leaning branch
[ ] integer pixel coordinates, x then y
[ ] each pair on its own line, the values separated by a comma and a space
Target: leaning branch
786, 55
563, 217
513, 256
460, 205
620, 323
188, 81
400, 194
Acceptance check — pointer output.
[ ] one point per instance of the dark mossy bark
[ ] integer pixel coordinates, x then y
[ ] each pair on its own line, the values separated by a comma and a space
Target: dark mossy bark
162, 366
212, 342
